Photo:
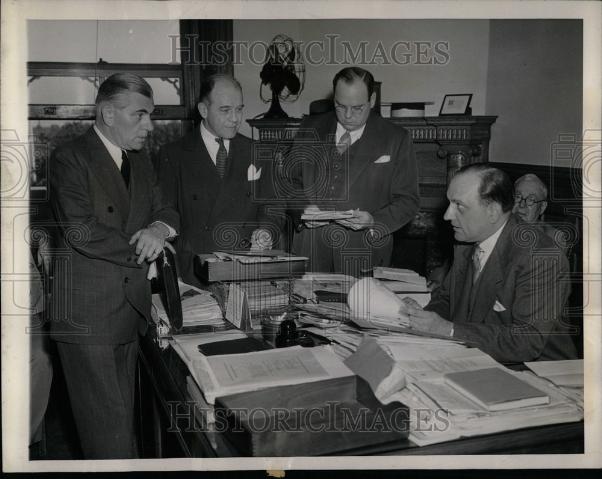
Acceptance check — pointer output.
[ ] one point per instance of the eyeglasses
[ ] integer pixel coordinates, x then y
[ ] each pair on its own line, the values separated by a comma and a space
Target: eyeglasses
355, 110
529, 200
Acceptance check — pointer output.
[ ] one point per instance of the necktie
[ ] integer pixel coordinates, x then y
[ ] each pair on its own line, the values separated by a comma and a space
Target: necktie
221, 158
125, 168
476, 263
344, 143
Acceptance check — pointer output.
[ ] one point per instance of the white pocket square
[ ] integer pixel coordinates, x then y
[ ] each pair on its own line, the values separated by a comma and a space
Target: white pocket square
383, 159
253, 174
498, 307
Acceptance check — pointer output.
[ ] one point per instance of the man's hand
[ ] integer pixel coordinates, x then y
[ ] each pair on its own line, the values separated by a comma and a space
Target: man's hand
149, 242
361, 221
261, 239
315, 224
311, 224
426, 321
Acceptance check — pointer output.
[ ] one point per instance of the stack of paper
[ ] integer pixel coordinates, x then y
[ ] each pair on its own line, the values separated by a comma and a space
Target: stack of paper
567, 375
398, 274
316, 214
419, 371
447, 414
305, 287
263, 296
405, 283
199, 307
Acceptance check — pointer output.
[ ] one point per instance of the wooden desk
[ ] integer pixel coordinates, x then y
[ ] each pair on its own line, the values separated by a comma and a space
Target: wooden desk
167, 407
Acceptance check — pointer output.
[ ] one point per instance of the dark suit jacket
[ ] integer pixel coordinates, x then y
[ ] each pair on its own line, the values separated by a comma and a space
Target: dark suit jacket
215, 213
515, 311
100, 294
378, 174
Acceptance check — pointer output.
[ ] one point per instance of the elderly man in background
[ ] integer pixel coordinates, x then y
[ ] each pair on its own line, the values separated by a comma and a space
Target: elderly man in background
530, 203
506, 291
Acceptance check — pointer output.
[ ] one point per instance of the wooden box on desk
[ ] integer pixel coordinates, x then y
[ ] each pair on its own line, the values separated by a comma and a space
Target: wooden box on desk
318, 418
213, 270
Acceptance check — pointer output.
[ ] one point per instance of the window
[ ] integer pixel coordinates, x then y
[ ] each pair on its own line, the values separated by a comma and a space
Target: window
68, 60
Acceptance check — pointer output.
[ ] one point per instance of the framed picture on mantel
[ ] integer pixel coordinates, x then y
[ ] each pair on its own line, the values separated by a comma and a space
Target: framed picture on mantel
457, 104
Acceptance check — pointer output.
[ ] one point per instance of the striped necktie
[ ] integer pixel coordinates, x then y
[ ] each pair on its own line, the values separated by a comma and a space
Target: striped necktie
344, 143
222, 158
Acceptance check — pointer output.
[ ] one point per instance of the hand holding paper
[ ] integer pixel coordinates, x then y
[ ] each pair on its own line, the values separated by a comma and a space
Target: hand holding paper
426, 321
361, 220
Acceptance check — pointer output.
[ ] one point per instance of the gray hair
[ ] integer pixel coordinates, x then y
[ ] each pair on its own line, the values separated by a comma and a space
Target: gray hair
119, 83
535, 179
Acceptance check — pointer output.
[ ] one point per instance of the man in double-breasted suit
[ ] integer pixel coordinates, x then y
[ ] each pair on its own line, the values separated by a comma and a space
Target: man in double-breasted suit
505, 292
211, 177
113, 221
350, 159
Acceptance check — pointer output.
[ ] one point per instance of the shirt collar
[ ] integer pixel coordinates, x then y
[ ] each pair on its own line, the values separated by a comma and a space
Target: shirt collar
209, 139
488, 244
113, 149
355, 134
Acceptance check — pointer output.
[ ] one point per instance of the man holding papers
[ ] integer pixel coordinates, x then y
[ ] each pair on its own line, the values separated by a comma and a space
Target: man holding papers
350, 160
506, 290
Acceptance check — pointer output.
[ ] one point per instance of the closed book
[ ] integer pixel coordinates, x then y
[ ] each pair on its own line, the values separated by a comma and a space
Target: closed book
496, 389
332, 416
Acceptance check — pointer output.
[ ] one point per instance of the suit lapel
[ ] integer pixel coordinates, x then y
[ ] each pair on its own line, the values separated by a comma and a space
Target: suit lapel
107, 173
492, 276
460, 284
198, 169
362, 152
137, 194
229, 181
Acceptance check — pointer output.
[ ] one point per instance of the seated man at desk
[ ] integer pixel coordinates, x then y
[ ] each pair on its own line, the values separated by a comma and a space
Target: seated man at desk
351, 159
506, 290
211, 178
530, 203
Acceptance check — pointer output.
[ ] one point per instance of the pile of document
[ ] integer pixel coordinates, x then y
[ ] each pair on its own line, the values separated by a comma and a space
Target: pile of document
404, 283
304, 289
264, 297
567, 375
421, 372
199, 307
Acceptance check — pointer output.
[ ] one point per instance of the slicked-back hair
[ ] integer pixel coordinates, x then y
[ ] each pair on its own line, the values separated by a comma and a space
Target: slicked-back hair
119, 83
496, 185
208, 84
352, 74
535, 179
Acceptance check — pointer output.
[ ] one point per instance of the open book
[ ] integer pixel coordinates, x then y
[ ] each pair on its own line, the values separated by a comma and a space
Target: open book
223, 375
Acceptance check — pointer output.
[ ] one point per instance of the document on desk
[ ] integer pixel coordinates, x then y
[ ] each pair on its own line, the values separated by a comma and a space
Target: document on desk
463, 418
567, 373
236, 373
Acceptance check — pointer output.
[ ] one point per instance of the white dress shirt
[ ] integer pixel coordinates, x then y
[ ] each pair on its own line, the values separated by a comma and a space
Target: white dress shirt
113, 150
210, 143
488, 244
355, 134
